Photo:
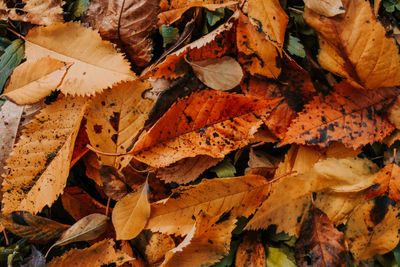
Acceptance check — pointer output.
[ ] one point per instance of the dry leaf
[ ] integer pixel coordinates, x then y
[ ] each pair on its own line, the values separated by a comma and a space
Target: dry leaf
251, 251
187, 170
256, 54
377, 5
92, 167
218, 73
354, 45
352, 175
81, 142
211, 123
320, 243
387, 183
261, 163
394, 113
175, 4
96, 65
114, 184
39, 163
79, 204
158, 245
207, 242
115, 118
33, 80
239, 195
327, 8
348, 115
373, 229
131, 213
26, 225
39, 12
97, 255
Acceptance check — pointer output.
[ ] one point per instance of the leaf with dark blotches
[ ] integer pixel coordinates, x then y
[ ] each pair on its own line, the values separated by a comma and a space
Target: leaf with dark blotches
211, 123
251, 251
387, 182
128, 23
348, 115
320, 243
113, 185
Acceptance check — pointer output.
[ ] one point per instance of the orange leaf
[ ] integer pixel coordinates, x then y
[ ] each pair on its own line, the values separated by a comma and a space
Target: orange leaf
209, 123
251, 251
387, 182
348, 115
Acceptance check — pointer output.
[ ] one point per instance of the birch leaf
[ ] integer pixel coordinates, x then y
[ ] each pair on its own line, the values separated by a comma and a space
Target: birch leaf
327, 8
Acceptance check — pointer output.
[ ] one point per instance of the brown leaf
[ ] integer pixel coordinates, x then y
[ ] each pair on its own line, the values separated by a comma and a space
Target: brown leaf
238, 196
251, 251
320, 243
98, 254
39, 12
26, 225
39, 163
131, 213
206, 243
81, 142
354, 45
211, 123
79, 204
175, 4
187, 170
114, 185
327, 8
218, 73
129, 23
387, 183
261, 163
348, 115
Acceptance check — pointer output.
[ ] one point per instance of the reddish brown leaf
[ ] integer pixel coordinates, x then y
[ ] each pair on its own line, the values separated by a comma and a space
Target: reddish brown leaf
113, 182
387, 182
348, 115
251, 251
320, 243
80, 148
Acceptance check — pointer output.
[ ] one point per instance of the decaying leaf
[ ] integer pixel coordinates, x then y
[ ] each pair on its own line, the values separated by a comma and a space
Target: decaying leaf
250, 252
327, 8
175, 4
209, 123
131, 213
87, 228
39, 12
238, 196
26, 225
39, 163
348, 115
129, 23
36, 259
115, 118
96, 65
261, 163
340, 175
98, 254
320, 243
157, 246
373, 228
218, 73
354, 45
206, 243
113, 182
33, 80
187, 170
387, 183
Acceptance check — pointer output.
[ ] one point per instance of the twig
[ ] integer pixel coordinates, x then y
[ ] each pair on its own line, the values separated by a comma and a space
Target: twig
108, 205
5, 237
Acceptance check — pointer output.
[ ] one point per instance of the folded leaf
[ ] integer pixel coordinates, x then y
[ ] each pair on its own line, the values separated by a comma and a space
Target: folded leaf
96, 65
387, 183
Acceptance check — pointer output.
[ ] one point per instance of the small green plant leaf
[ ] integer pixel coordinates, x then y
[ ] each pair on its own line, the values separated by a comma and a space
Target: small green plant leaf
11, 58
214, 16
295, 47
168, 33
224, 169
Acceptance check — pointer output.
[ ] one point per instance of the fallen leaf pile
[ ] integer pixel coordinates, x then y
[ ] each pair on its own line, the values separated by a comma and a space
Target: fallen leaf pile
199, 133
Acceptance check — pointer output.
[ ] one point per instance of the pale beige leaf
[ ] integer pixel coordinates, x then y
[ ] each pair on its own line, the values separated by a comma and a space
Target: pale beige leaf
218, 73
239, 195
33, 80
187, 170
327, 8
42, 12
39, 164
367, 238
96, 64
207, 243
115, 118
3, 10
97, 255
131, 213
338, 174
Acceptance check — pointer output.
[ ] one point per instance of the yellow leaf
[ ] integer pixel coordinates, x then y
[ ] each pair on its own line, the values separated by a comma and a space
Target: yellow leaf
97, 255
327, 8
115, 118
206, 243
131, 213
158, 245
239, 195
39, 12
33, 80
354, 45
96, 64
39, 164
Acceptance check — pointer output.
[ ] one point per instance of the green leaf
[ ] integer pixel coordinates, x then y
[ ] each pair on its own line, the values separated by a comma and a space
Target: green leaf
224, 169
295, 47
214, 16
78, 7
396, 253
4, 42
389, 5
11, 58
228, 259
168, 33
280, 257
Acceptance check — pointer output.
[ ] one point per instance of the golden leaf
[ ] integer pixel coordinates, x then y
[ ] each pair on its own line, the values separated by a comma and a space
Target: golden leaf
97, 255
115, 118
239, 195
96, 64
33, 80
39, 163
131, 213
